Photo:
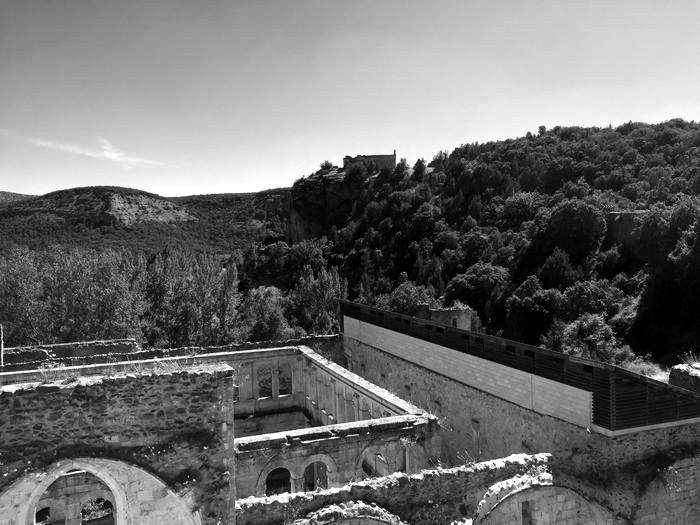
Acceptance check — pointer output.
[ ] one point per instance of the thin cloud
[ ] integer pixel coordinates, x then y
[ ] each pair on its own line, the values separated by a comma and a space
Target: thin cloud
105, 151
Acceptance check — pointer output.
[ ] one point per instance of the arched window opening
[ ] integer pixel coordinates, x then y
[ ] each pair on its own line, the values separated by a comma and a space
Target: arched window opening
278, 481
368, 469
375, 465
285, 379
64, 501
265, 381
98, 512
316, 476
43, 516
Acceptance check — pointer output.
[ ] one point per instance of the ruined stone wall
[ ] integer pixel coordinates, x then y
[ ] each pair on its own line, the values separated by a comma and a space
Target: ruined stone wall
328, 395
686, 376
137, 496
171, 424
478, 426
432, 497
548, 506
90, 352
397, 444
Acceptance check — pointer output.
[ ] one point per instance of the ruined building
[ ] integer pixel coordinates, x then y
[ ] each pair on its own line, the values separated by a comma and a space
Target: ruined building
380, 161
425, 423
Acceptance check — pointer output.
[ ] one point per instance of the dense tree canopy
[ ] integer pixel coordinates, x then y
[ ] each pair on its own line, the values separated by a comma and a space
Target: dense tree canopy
581, 239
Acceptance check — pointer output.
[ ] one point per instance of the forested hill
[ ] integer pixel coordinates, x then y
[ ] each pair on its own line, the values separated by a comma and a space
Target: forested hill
113, 217
580, 239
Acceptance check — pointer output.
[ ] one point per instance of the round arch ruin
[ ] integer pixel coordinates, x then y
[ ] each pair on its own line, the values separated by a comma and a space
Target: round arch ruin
139, 497
296, 468
546, 504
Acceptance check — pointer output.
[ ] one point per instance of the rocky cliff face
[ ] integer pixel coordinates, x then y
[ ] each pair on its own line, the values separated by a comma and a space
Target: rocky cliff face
319, 202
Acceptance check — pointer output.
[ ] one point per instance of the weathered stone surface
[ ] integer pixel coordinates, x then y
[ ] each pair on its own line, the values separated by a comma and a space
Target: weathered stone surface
686, 376
139, 497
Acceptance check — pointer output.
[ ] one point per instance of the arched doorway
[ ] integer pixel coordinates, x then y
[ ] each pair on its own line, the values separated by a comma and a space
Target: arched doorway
74, 498
315, 476
278, 481
139, 497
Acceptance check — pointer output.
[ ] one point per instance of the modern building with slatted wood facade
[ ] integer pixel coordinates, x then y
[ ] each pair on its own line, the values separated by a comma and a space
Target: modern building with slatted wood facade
601, 397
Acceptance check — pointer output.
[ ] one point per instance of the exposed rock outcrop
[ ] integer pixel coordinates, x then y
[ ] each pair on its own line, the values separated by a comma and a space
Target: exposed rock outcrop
319, 202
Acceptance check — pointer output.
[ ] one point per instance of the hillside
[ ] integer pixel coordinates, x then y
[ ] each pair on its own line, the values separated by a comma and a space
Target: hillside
584, 240
7, 197
133, 219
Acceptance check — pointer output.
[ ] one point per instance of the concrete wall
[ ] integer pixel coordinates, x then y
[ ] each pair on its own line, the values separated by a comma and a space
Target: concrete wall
527, 390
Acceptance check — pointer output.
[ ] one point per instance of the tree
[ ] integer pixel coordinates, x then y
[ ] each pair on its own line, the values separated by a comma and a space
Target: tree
314, 301
576, 227
404, 298
263, 315
588, 336
479, 286
557, 272
530, 311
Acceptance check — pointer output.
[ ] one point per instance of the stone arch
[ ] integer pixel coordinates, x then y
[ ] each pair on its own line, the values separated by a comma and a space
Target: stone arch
331, 467
278, 481
374, 461
139, 497
275, 463
351, 513
526, 496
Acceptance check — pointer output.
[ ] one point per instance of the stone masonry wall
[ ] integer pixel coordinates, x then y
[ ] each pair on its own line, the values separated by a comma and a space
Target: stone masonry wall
548, 506
89, 352
613, 471
404, 443
169, 423
673, 497
431, 497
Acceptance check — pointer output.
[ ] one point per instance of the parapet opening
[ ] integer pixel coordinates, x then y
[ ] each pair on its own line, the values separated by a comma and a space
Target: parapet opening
278, 481
43, 516
264, 382
316, 476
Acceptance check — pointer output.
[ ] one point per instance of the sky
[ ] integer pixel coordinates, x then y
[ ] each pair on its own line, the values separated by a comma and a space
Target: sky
190, 97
